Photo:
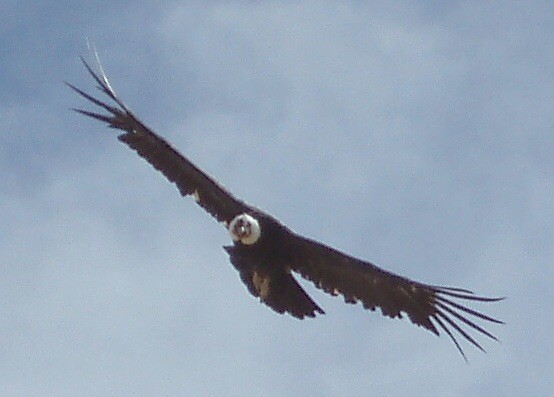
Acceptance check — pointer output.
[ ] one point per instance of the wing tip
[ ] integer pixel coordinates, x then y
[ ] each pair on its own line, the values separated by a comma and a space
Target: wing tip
454, 315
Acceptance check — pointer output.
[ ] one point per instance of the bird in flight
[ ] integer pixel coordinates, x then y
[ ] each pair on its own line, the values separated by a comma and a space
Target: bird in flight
266, 253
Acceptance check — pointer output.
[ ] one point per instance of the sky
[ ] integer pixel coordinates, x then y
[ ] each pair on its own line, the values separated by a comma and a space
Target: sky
414, 134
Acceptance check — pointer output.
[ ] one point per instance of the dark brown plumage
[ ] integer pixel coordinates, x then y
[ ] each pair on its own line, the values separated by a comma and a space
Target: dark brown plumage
266, 265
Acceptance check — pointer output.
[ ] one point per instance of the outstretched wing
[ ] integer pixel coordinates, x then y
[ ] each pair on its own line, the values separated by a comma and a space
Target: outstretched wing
273, 284
425, 305
190, 180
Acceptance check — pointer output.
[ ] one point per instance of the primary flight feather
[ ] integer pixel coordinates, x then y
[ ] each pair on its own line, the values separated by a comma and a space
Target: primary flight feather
265, 252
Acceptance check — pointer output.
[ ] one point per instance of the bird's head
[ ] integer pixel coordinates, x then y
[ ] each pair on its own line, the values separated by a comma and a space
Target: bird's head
245, 229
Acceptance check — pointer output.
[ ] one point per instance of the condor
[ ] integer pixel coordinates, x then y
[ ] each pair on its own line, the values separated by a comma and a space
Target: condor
266, 253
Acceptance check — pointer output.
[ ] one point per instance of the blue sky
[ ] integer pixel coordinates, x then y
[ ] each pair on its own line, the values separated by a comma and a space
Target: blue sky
417, 135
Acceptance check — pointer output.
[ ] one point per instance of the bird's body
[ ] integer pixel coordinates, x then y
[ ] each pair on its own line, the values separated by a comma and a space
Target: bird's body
266, 253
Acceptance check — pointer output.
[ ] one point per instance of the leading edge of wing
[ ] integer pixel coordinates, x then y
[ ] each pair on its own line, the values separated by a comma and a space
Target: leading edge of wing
189, 179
